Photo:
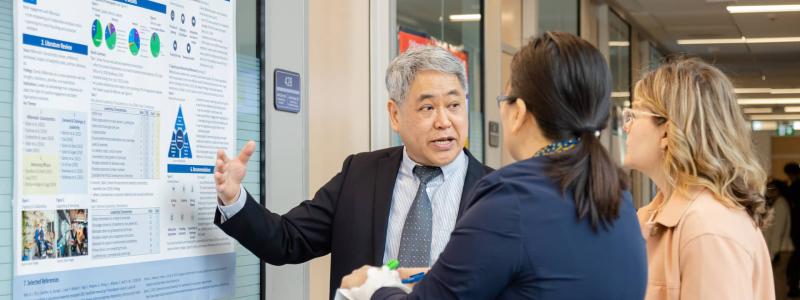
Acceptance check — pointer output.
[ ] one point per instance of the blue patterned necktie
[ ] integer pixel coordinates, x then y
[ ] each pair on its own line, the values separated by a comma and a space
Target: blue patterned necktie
415, 241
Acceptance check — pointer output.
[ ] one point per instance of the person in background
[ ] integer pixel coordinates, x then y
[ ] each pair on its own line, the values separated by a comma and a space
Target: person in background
778, 238
49, 243
80, 238
27, 251
557, 224
73, 239
61, 244
687, 133
792, 195
39, 237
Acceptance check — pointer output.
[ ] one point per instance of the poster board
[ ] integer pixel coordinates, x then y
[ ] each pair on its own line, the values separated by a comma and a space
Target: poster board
119, 108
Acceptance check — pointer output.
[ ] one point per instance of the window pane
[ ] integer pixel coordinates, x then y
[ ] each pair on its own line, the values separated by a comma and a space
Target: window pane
248, 126
6, 75
619, 57
558, 15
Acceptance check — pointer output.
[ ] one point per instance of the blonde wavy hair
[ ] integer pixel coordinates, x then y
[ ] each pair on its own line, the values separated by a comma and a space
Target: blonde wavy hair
708, 139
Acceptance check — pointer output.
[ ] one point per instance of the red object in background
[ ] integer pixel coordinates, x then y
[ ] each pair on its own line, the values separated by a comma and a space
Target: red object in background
464, 57
407, 40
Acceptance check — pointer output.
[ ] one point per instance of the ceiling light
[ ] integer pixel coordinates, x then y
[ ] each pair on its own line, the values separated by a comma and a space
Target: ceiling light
758, 110
792, 109
766, 91
775, 117
619, 44
753, 90
784, 91
769, 101
620, 94
741, 40
744, 9
465, 18
764, 125
789, 39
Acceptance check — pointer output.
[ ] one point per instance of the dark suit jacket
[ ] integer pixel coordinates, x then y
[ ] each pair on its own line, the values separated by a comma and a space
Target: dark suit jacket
348, 217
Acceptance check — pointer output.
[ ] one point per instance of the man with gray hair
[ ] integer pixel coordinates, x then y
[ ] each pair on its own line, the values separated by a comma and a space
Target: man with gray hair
395, 203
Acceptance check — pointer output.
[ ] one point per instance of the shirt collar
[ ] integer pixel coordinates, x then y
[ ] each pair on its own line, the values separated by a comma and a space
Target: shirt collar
407, 166
669, 212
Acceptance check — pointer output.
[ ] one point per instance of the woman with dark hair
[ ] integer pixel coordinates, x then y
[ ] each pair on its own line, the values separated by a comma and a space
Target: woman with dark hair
557, 224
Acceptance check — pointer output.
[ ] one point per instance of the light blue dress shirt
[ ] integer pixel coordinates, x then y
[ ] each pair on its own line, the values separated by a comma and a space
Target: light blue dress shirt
445, 194
227, 211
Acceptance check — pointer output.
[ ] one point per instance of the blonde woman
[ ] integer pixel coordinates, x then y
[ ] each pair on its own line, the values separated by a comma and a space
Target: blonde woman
687, 133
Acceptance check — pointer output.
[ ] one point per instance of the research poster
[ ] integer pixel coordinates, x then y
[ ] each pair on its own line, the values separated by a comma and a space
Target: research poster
119, 109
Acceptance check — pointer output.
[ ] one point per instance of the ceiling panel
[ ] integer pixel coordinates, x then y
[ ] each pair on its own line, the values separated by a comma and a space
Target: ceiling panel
693, 18
712, 49
678, 5
775, 65
768, 25
704, 32
776, 48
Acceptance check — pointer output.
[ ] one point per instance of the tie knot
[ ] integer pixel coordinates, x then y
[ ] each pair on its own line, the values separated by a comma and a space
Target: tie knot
426, 173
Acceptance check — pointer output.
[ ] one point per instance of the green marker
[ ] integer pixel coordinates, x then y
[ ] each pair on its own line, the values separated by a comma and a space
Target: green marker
393, 264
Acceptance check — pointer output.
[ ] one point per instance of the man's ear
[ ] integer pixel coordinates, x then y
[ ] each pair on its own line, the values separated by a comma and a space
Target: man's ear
394, 112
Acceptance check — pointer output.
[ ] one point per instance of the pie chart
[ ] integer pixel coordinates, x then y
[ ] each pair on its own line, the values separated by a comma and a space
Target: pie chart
97, 33
133, 41
155, 45
111, 36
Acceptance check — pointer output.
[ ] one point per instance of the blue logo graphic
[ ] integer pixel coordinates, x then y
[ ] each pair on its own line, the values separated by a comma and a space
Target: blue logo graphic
179, 146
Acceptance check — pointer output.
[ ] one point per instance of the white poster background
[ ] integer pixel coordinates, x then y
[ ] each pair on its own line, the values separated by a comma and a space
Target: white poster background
112, 114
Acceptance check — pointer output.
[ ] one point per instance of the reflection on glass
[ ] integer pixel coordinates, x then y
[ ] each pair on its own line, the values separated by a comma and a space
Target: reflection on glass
619, 42
248, 108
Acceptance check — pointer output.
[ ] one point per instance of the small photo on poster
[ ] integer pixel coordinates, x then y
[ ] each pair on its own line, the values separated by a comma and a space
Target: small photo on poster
73, 237
38, 234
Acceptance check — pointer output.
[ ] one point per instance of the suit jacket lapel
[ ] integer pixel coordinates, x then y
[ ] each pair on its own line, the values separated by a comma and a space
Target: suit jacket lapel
475, 171
385, 178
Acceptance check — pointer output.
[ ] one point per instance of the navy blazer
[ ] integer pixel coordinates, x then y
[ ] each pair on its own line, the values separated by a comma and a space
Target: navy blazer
347, 217
521, 239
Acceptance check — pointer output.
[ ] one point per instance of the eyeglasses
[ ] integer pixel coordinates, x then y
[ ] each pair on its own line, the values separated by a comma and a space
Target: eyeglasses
630, 114
509, 98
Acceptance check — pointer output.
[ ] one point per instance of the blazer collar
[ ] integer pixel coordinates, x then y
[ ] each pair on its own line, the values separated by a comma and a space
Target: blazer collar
385, 178
672, 210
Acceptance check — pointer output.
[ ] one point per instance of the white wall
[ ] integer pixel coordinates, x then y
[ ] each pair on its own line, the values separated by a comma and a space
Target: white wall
286, 134
338, 105
492, 69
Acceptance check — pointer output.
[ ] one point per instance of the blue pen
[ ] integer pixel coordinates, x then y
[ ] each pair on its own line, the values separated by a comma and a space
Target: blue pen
414, 278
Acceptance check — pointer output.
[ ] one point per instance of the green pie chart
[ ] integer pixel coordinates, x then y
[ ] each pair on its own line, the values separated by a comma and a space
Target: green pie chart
111, 36
97, 33
133, 41
155, 45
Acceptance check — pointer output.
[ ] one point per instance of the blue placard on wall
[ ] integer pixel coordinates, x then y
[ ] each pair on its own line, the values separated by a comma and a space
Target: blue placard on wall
287, 91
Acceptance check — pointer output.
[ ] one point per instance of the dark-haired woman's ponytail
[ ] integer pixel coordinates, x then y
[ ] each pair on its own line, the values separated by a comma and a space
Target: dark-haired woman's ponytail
596, 180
